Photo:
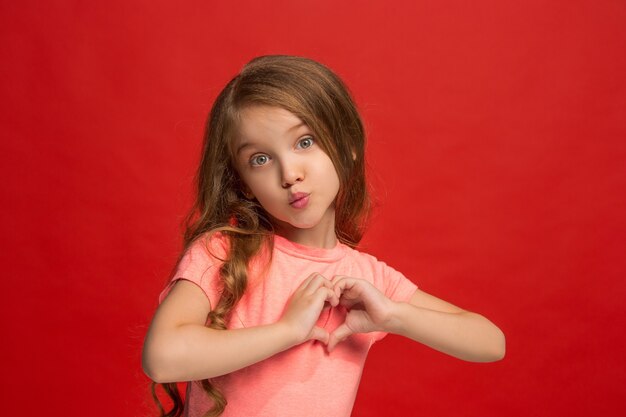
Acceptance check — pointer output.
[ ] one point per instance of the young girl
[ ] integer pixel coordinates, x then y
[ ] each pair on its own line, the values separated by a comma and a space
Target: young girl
271, 310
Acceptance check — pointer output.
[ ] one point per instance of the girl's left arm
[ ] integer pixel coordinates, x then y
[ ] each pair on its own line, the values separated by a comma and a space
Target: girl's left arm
424, 318
446, 328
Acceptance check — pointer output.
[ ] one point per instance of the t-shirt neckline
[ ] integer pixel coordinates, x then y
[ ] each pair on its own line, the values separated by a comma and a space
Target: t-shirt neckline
310, 252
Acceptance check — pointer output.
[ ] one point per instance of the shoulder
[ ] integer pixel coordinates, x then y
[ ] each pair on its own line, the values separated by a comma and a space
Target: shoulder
199, 263
213, 245
203, 252
382, 273
365, 259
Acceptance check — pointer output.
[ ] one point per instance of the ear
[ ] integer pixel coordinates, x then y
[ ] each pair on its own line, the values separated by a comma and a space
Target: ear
247, 193
353, 155
243, 187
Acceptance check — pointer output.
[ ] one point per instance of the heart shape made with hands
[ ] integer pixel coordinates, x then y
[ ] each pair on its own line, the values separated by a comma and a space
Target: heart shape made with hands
366, 309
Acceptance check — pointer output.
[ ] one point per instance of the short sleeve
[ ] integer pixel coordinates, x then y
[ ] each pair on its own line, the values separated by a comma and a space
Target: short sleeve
396, 287
200, 264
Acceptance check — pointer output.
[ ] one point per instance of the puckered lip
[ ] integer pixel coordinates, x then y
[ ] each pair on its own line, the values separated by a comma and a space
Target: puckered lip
297, 196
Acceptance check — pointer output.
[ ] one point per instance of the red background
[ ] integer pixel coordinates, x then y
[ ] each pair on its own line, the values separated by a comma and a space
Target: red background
497, 145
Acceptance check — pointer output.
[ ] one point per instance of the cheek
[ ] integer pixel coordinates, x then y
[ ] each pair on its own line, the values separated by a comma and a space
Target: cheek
256, 187
247, 183
259, 186
330, 174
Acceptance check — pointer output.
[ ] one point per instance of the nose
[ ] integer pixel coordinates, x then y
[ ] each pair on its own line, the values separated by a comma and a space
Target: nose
291, 173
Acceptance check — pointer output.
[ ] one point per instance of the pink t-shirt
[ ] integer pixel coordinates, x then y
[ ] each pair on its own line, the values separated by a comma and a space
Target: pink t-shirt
304, 380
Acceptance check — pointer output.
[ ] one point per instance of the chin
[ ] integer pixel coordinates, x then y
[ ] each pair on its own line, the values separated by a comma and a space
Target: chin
302, 224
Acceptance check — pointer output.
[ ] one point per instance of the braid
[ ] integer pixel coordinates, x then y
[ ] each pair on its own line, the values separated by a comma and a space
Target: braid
245, 240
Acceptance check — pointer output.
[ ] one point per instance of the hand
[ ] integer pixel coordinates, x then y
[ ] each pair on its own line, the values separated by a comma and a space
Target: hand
368, 309
305, 306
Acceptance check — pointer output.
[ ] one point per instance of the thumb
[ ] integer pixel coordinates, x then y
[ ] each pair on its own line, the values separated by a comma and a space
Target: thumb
319, 334
338, 335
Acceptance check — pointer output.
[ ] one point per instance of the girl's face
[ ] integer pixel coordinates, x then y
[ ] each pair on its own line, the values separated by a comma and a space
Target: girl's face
283, 166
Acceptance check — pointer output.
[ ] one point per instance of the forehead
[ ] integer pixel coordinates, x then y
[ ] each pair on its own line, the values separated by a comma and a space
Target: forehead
259, 122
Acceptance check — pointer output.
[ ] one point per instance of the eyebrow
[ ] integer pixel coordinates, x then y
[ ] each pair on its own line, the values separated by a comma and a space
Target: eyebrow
246, 144
294, 127
241, 147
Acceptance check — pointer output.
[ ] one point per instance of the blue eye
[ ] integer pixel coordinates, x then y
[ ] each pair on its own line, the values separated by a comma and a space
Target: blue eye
305, 142
259, 160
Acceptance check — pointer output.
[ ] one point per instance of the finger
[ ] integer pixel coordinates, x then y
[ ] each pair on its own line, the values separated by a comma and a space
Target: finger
326, 288
348, 294
324, 294
338, 284
337, 278
349, 302
305, 284
338, 335
352, 289
329, 285
317, 333
331, 296
307, 280
343, 283
317, 281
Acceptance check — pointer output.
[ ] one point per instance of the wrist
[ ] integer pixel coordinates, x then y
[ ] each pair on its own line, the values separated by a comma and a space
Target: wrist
286, 334
395, 323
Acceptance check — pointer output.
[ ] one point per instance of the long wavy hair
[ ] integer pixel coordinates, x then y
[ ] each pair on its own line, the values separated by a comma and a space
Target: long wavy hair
320, 99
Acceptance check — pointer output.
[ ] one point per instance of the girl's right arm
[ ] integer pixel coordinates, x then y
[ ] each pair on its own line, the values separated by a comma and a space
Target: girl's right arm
179, 346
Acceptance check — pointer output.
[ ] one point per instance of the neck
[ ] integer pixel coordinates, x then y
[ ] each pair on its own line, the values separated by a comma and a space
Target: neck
320, 236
